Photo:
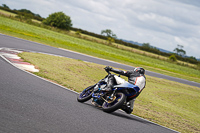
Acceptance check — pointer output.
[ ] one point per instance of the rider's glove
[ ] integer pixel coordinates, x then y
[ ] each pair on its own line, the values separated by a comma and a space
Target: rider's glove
107, 68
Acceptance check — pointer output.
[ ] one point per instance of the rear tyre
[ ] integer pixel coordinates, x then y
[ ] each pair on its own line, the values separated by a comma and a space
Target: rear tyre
117, 103
86, 94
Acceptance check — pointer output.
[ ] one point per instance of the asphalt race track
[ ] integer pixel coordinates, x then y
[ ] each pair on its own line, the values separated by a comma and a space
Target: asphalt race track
12, 42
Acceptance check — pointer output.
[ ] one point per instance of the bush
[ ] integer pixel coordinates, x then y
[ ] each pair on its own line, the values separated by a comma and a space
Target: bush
78, 33
110, 40
173, 57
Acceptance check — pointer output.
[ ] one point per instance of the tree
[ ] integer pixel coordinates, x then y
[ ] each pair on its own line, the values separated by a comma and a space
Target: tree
26, 11
5, 6
108, 33
59, 20
192, 57
147, 45
179, 50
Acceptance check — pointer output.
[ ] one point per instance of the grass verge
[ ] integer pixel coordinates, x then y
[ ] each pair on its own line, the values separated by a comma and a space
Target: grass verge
6, 13
55, 39
168, 103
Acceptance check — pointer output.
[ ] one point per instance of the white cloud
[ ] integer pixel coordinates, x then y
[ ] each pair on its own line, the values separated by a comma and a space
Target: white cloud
161, 23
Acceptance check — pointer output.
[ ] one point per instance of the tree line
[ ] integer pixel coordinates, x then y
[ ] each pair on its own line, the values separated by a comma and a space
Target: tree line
22, 12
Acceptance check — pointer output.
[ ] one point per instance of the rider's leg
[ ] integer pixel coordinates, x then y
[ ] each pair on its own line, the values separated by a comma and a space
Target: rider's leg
132, 103
129, 107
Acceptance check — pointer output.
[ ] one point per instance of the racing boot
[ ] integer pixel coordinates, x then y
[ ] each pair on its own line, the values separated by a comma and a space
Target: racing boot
127, 109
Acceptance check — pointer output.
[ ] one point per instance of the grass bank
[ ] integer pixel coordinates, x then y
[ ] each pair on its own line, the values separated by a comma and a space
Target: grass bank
62, 40
168, 103
6, 13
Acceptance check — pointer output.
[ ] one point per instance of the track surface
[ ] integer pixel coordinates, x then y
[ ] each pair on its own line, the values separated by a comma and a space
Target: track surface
30, 104
12, 42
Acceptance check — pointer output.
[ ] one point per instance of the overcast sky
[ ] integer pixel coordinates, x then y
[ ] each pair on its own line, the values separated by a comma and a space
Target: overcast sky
162, 23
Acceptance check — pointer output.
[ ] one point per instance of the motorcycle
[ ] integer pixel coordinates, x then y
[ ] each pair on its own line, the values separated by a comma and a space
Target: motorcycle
120, 96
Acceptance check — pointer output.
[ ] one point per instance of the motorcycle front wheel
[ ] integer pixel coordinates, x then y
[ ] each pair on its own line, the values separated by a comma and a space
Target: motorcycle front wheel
86, 94
114, 104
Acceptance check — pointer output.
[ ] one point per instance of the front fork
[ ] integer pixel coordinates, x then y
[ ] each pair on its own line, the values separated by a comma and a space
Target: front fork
111, 97
102, 96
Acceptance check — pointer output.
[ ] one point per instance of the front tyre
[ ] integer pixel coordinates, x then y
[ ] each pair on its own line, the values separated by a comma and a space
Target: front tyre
117, 103
86, 94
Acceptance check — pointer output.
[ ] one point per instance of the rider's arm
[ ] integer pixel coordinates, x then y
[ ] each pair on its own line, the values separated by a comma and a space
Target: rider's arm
119, 72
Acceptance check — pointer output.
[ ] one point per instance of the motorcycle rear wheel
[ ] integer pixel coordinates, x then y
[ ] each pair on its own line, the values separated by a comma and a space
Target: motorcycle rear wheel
86, 94
117, 103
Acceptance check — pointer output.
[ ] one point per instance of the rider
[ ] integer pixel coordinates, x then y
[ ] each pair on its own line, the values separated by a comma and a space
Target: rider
135, 77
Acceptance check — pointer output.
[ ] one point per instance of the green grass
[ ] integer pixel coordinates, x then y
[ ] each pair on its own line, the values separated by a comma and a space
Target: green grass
165, 102
29, 32
10, 14
7, 13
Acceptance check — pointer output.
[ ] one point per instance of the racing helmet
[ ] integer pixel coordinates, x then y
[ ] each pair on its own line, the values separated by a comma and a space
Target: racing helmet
139, 70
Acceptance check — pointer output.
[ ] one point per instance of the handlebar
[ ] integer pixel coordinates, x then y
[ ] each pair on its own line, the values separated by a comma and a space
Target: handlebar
107, 71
